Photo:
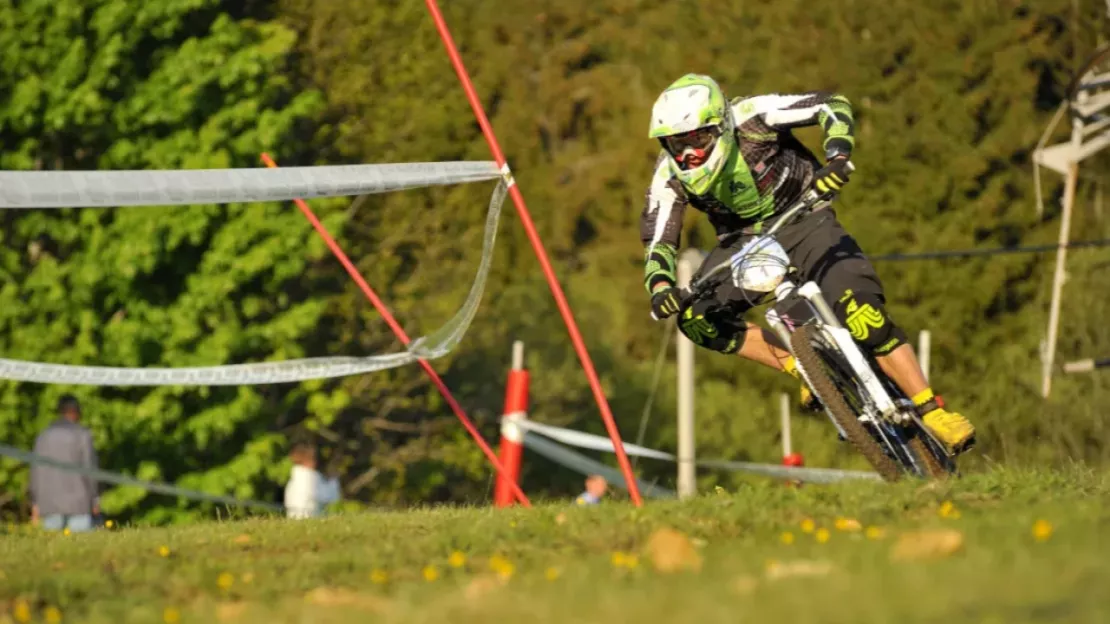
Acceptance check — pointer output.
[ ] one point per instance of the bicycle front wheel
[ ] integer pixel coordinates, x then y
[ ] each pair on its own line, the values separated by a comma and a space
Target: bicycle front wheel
842, 401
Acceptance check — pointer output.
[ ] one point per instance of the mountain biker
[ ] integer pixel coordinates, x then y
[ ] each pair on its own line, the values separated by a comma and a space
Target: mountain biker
740, 164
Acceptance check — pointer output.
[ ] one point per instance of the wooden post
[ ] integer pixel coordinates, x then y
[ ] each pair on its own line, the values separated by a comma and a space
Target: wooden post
687, 482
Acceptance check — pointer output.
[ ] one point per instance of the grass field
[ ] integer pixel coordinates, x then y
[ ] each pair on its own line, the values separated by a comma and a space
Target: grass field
996, 547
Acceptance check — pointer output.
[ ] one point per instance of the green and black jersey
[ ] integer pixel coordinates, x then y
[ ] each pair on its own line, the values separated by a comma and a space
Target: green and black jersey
769, 172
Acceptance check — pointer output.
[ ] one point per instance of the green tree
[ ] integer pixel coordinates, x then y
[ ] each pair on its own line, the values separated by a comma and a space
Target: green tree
113, 84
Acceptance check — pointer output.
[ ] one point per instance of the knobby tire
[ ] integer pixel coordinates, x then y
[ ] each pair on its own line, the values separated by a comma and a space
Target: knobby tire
801, 342
933, 468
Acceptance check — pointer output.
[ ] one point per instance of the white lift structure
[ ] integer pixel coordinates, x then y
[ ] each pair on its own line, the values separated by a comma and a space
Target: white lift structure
1089, 108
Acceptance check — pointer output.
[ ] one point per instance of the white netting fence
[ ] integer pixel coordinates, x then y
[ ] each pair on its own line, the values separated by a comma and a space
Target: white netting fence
102, 189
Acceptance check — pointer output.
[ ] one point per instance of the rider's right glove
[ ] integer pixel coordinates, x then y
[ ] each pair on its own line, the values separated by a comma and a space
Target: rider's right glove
832, 176
664, 303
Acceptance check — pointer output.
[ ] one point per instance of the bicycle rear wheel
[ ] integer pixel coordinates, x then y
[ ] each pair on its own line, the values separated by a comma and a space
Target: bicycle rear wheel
917, 449
928, 461
817, 367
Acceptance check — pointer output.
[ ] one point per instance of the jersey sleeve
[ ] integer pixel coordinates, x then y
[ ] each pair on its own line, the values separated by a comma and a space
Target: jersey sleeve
832, 111
661, 227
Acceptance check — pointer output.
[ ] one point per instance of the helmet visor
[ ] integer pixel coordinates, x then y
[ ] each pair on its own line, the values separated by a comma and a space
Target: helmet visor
695, 145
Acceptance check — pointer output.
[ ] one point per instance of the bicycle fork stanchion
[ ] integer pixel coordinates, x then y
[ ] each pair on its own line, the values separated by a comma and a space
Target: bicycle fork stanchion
812, 292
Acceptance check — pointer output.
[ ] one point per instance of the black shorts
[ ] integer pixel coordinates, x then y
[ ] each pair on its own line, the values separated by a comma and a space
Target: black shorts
821, 251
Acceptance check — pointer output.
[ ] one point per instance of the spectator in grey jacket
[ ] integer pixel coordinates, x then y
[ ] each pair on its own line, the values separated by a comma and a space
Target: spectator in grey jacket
63, 499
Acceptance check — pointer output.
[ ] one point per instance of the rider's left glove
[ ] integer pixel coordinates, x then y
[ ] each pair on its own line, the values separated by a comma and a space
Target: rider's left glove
833, 176
664, 303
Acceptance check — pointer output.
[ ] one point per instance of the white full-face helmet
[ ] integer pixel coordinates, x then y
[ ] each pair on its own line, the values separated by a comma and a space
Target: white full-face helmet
693, 122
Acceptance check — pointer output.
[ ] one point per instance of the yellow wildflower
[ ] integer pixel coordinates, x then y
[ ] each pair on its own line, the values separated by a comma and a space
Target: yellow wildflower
847, 524
948, 510
430, 573
1042, 530
21, 611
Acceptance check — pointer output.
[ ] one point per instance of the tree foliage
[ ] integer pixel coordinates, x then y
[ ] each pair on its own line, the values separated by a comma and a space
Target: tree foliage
123, 85
951, 98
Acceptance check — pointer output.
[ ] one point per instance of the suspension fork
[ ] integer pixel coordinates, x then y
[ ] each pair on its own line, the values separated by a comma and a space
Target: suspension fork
882, 400
812, 292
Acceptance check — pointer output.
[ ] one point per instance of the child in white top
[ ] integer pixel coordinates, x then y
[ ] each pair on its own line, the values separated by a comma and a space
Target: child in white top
308, 492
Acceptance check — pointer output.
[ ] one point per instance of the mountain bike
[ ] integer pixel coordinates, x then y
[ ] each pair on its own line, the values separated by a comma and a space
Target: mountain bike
866, 407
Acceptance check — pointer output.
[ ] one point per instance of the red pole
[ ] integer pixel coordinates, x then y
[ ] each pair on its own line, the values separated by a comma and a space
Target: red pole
512, 436
541, 254
793, 460
401, 335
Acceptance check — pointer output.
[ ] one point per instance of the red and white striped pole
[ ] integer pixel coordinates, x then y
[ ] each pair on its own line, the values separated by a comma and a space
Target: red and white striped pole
512, 435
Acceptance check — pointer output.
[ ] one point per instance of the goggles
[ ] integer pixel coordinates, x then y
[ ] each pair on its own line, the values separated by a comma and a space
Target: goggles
700, 140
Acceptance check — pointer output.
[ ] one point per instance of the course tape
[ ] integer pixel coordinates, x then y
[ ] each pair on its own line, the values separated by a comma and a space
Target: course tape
590, 441
107, 189
120, 479
434, 345
584, 465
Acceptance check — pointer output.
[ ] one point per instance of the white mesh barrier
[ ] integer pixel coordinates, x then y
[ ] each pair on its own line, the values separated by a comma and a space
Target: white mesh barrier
108, 189
593, 442
116, 188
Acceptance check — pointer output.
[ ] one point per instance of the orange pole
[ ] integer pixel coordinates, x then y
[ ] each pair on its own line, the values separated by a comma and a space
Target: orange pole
541, 254
512, 436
